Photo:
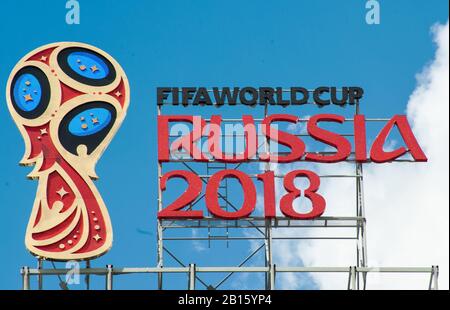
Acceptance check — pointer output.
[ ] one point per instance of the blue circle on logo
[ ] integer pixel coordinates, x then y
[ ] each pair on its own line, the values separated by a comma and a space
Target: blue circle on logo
88, 65
27, 92
89, 122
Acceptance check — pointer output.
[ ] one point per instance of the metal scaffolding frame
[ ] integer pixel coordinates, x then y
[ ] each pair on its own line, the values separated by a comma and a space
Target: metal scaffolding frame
213, 232
264, 228
357, 274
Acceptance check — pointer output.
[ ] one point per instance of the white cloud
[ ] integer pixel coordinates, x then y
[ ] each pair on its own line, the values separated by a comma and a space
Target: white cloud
197, 245
407, 205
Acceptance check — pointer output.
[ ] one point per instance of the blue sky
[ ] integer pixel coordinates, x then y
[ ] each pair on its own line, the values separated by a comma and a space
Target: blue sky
200, 43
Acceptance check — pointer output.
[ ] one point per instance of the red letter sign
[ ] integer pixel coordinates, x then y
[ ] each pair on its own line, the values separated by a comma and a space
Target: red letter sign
294, 143
342, 145
378, 155
193, 191
287, 201
215, 140
212, 197
186, 142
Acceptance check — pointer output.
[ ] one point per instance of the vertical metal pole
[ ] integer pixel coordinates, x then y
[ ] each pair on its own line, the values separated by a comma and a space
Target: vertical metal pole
268, 229
109, 277
159, 228
269, 262
40, 278
364, 262
358, 227
25, 278
434, 285
436, 277
192, 271
352, 278
272, 276
87, 277
361, 250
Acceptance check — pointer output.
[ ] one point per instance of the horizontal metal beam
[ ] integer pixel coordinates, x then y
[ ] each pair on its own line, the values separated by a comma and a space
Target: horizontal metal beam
254, 176
224, 238
182, 157
136, 270
278, 222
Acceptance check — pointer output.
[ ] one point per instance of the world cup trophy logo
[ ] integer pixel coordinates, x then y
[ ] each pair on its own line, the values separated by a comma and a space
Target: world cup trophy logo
68, 101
